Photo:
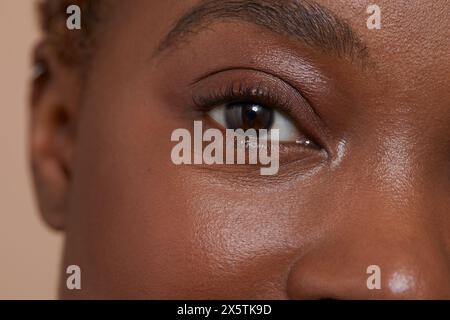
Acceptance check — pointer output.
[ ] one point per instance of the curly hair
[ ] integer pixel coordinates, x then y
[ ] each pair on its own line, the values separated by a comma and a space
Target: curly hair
70, 46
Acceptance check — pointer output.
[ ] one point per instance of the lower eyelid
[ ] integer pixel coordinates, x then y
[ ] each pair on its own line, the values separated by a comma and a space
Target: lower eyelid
294, 159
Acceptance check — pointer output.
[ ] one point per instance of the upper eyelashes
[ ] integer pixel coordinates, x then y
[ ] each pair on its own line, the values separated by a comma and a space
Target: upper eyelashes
251, 107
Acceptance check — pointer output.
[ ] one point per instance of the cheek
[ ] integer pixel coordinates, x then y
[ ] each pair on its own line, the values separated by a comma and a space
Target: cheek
244, 239
128, 228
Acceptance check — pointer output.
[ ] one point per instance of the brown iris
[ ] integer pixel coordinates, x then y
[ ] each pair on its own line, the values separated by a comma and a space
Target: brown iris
248, 116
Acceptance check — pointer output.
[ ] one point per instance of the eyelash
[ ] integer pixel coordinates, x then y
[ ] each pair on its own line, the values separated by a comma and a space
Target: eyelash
240, 92
262, 94
259, 93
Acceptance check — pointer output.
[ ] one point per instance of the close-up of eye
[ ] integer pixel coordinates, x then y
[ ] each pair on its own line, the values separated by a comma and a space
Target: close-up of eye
257, 103
249, 115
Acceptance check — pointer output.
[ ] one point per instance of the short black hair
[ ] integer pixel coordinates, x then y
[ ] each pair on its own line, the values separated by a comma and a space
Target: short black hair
70, 46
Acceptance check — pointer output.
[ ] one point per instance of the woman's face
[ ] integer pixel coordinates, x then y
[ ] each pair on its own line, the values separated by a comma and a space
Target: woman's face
371, 188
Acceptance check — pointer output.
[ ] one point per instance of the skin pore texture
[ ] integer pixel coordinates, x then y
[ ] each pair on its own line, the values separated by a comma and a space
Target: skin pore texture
376, 193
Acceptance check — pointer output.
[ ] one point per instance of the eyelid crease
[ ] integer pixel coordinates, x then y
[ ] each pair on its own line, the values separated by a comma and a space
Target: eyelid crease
236, 68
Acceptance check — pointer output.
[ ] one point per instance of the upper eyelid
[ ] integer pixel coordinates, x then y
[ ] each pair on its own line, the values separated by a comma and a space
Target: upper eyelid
223, 70
285, 81
231, 91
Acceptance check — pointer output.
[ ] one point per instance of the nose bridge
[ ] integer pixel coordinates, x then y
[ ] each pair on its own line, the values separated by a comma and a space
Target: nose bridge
398, 202
395, 167
391, 183
402, 224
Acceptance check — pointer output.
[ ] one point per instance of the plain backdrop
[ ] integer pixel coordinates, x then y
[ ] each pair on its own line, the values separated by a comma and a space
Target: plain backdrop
29, 251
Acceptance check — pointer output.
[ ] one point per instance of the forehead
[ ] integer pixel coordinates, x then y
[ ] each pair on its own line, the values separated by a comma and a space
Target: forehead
411, 50
414, 33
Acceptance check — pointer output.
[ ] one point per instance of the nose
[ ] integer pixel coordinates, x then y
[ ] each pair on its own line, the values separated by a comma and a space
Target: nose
362, 270
376, 250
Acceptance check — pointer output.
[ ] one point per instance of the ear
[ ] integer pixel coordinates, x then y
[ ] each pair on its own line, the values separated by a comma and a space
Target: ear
54, 106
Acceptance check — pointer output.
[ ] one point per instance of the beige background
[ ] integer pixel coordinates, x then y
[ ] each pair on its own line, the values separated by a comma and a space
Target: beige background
29, 251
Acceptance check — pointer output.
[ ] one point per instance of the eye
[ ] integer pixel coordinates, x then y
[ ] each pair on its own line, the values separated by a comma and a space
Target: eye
248, 115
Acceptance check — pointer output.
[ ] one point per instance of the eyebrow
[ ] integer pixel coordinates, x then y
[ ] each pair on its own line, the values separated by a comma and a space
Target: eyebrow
305, 20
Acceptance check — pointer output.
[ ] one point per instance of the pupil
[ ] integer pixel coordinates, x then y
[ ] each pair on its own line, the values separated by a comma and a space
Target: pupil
252, 114
248, 116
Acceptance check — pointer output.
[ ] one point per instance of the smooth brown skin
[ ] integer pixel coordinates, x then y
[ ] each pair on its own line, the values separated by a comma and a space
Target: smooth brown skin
141, 227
